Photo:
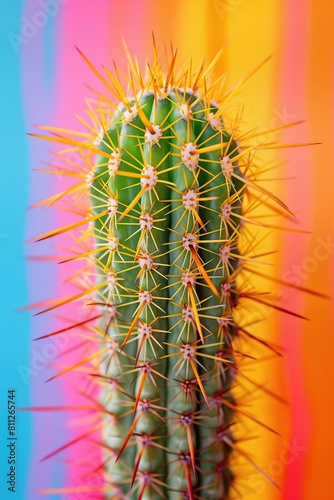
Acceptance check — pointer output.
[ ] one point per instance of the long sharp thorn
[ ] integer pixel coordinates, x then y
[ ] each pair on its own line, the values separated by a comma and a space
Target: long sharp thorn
198, 378
133, 203
203, 271
140, 348
145, 120
141, 272
128, 436
136, 466
133, 324
142, 491
139, 391
190, 486
81, 362
194, 308
70, 443
191, 448
199, 220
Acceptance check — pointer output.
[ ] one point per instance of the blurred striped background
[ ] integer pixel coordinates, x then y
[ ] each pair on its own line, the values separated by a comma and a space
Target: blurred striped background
44, 82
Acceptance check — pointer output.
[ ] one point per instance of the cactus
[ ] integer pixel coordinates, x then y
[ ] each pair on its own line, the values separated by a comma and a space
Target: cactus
165, 179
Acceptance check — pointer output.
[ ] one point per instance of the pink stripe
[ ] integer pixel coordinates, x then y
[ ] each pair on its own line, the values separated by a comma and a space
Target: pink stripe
86, 26
294, 107
98, 32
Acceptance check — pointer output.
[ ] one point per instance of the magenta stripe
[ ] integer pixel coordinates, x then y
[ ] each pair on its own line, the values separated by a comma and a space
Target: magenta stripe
98, 32
87, 26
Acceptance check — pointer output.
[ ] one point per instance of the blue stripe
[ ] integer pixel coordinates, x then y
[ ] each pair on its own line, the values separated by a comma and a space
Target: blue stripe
15, 326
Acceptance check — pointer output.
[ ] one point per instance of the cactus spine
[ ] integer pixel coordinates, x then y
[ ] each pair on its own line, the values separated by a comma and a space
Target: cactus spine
166, 182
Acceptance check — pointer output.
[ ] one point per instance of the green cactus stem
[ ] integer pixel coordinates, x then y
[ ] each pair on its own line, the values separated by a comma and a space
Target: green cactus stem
165, 177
